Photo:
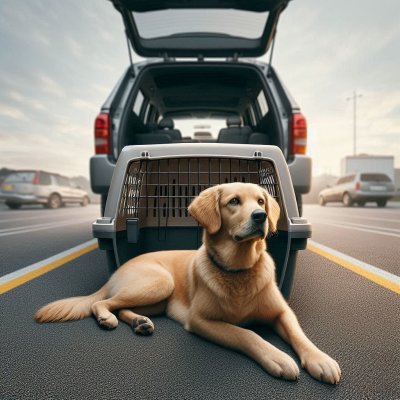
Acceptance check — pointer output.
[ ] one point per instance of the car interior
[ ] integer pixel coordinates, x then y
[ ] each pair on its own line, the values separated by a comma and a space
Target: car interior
169, 92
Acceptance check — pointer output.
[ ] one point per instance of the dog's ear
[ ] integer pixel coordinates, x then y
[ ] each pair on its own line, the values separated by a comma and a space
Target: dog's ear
273, 211
205, 210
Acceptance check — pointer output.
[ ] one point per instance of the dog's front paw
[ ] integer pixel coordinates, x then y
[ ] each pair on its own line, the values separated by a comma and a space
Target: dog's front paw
143, 326
282, 366
321, 367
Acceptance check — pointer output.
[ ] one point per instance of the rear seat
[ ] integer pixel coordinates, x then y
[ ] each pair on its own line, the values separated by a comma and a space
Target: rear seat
166, 126
234, 133
259, 138
152, 138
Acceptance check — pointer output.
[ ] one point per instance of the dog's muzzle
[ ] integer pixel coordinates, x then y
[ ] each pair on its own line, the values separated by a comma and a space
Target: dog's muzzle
259, 216
256, 228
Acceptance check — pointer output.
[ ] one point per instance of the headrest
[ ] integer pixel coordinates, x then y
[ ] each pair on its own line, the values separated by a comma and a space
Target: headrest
233, 121
152, 126
166, 123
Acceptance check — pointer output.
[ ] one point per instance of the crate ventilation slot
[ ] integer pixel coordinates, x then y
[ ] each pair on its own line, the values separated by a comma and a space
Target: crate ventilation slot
158, 192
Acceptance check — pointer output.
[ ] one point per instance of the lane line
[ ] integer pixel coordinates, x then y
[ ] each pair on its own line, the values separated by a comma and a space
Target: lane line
17, 231
368, 271
395, 212
390, 220
18, 228
47, 213
370, 227
23, 275
374, 231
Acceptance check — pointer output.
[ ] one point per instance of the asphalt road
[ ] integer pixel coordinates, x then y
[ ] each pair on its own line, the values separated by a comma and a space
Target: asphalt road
352, 318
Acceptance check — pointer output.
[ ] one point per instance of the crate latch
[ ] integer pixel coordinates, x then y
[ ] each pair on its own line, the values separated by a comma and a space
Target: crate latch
132, 230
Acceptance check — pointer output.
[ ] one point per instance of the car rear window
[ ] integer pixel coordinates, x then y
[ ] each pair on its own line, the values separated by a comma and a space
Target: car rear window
237, 23
374, 178
20, 177
200, 128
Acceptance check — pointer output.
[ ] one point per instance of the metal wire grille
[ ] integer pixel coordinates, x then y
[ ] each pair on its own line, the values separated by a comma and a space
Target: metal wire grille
158, 192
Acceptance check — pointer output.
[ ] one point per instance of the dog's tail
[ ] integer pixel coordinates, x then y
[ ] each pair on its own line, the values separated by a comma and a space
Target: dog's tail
71, 309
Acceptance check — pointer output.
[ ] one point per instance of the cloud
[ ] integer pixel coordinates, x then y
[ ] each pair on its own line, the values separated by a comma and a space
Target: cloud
49, 86
30, 102
61, 60
74, 47
11, 112
324, 51
84, 105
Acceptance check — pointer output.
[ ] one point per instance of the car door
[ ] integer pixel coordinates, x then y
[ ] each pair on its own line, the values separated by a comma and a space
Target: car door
64, 189
200, 28
333, 191
76, 193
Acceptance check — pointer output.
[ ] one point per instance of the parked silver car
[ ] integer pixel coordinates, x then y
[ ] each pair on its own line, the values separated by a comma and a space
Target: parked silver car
39, 187
359, 188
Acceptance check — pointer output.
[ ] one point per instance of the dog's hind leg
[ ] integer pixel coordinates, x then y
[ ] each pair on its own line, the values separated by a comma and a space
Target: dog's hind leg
142, 291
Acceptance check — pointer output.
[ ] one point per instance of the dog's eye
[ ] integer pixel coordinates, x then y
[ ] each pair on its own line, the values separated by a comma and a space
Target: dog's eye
261, 202
234, 202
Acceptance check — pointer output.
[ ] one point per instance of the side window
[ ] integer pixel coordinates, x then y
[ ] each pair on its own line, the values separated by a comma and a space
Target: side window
262, 103
340, 181
44, 179
138, 103
62, 181
147, 113
252, 116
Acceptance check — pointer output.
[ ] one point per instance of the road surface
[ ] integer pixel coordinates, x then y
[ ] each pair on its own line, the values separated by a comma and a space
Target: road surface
342, 297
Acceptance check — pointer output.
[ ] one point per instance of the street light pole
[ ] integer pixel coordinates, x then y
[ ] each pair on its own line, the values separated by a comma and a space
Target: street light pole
354, 98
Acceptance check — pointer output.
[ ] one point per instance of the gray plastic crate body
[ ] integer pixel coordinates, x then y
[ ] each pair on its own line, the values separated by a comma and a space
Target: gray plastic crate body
153, 185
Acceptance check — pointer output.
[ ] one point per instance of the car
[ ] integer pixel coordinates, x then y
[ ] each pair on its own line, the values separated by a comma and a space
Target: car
199, 72
359, 188
40, 187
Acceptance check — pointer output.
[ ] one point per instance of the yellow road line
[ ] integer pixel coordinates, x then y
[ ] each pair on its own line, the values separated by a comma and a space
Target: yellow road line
380, 277
44, 267
357, 267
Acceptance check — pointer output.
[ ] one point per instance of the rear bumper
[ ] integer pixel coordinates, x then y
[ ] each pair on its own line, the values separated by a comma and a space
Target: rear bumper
371, 196
22, 198
300, 172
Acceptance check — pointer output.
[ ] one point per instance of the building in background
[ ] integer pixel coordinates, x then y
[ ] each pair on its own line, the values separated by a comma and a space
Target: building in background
368, 163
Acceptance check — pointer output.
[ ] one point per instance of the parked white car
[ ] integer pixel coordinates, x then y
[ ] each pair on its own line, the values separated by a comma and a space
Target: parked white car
359, 188
39, 187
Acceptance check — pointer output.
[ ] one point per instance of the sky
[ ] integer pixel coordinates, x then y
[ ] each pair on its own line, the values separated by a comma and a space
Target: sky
59, 61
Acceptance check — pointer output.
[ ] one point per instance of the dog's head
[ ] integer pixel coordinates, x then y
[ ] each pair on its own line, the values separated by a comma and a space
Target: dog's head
244, 211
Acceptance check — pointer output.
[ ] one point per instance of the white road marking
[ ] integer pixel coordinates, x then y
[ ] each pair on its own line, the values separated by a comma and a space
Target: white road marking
372, 230
40, 227
47, 215
33, 267
393, 220
371, 227
358, 263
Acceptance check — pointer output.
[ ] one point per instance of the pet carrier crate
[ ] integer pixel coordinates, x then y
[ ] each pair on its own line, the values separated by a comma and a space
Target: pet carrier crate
153, 185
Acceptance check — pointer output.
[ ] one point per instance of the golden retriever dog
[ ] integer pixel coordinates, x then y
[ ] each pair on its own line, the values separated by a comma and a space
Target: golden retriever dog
213, 291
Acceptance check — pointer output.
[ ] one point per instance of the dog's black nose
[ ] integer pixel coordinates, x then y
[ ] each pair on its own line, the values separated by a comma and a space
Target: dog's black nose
259, 216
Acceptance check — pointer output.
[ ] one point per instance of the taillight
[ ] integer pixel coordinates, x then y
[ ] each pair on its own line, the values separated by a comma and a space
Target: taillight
102, 137
298, 134
35, 180
358, 185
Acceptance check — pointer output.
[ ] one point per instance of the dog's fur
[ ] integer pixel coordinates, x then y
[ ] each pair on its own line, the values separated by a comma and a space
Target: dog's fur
229, 281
